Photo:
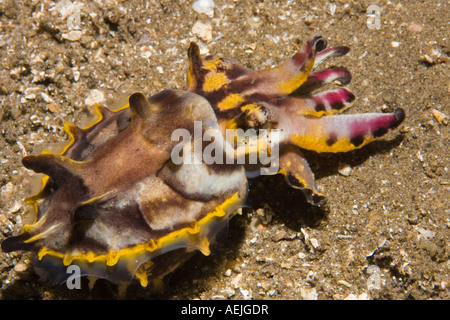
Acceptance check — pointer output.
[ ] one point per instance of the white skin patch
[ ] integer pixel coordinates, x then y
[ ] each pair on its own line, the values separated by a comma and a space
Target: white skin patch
198, 179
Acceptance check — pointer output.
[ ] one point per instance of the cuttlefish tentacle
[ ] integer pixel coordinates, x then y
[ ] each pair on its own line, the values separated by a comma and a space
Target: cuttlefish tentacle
324, 55
298, 174
319, 79
341, 133
282, 98
322, 103
291, 74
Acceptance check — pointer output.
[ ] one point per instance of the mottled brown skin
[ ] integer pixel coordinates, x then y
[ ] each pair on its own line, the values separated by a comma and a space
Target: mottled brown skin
116, 186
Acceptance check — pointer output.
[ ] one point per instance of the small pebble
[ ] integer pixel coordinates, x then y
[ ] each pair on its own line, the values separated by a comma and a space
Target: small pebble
254, 22
204, 6
229, 292
362, 296
374, 280
314, 243
53, 108
344, 283
414, 27
428, 59
20, 267
95, 97
279, 235
236, 280
30, 96
246, 293
46, 97
157, 84
311, 276
309, 293
73, 35
425, 233
76, 75
344, 169
440, 116
16, 206
3, 90
203, 31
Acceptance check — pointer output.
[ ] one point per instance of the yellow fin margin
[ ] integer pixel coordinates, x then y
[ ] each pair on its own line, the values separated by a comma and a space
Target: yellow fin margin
113, 256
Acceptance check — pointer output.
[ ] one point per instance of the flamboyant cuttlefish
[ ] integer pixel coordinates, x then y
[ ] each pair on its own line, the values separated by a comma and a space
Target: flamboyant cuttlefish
115, 201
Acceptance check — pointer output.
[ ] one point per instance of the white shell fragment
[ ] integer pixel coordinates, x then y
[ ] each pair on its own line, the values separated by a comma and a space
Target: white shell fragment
204, 6
203, 31
95, 97
344, 169
440, 116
